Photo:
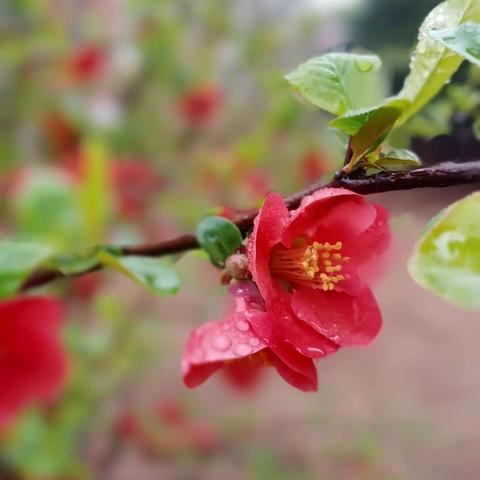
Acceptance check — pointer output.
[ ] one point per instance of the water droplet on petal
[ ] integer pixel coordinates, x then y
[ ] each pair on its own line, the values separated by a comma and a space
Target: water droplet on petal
242, 349
254, 342
316, 351
242, 325
221, 342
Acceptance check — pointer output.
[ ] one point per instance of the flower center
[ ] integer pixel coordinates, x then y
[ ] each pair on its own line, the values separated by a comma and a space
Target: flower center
317, 265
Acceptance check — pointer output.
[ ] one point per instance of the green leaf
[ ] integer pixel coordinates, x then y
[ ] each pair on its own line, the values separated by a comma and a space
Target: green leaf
47, 209
372, 134
463, 39
95, 189
398, 160
219, 237
353, 120
432, 64
476, 128
155, 274
76, 262
446, 260
17, 261
337, 82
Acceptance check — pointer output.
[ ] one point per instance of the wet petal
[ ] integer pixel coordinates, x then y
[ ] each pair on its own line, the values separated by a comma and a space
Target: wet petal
214, 343
266, 234
281, 326
303, 377
347, 320
304, 221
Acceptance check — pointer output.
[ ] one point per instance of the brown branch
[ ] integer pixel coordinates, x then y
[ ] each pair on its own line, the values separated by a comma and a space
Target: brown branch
443, 175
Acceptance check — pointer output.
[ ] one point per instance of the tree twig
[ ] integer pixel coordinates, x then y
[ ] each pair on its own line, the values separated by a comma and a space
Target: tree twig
443, 175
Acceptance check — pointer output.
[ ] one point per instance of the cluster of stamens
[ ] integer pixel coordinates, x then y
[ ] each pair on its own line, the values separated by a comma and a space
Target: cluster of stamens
317, 265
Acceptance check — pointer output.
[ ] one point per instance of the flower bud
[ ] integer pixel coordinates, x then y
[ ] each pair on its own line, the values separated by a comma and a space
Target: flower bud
236, 266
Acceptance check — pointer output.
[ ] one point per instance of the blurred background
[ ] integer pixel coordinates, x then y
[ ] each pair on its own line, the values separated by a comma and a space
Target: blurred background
126, 121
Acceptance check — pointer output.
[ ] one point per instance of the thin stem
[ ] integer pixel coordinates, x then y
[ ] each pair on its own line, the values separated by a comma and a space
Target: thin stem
443, 175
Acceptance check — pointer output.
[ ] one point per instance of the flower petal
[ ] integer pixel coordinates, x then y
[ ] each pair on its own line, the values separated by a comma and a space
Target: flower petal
266, 234
280, 325
243, 376
303, 377
348, 320
214, 343
33, 363
304, 221
372, 242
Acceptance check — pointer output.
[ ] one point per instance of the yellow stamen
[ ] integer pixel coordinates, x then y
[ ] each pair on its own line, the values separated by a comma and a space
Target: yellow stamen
311, 265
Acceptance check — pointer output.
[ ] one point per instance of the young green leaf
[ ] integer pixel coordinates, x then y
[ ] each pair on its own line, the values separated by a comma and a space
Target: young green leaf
337, 82
353, 120
433, 64
219, 237
17, 261
398, 160
75, 262
372, 134
463, 39
155, 274
476, 128
446, 260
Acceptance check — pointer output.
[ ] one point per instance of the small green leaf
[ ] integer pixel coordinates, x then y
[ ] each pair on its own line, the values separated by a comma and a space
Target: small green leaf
76, 262
398, 160
372, 134
337, 82
219, 237
155, 274
463, 39
432, 64
446, 260
353, 120
476, 128
17, 261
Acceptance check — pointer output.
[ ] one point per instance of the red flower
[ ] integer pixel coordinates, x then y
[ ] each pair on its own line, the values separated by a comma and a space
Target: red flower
87, 62
236, 341
86, 286
32, 362
198, 106
135, 183
61, 134
313, 165
311, 266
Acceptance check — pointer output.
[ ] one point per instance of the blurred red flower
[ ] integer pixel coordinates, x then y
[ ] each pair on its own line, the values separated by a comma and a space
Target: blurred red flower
129, 428
234, 340
172, 413
60, 133
257, 183
32, 361
313, 165
135, 182
86, 286
311, 267
87, 62
199, 105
